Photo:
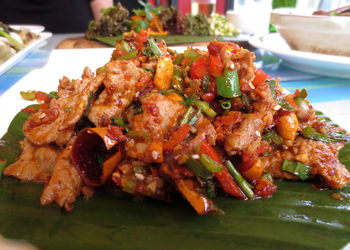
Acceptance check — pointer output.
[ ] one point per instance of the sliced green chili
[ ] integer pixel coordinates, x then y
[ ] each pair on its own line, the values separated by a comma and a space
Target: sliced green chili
195, 117
228, 84
129, 55
198, 169
272, 135
244, 185
205, 107
154, 47
311, 133
225, 104
210, 164
178, 59
125, 46
190, 53
297, 168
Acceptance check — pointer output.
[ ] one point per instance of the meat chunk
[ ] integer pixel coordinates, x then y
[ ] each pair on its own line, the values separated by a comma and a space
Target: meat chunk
65, 184
48, 125
159, 115
320, 156
123, 80
35, 163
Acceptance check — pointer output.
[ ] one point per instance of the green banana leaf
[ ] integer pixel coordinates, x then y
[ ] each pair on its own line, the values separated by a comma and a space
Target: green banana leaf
169, 39
296, 217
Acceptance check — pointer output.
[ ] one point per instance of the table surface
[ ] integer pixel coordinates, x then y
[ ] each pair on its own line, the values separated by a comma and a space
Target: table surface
332, 95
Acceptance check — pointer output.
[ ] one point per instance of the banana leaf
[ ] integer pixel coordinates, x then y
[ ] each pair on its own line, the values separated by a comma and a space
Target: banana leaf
169, 39
296, 217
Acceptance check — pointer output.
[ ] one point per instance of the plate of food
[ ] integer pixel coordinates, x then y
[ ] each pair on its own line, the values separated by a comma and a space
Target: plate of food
168, 24
154, 147
16, 41
315, 63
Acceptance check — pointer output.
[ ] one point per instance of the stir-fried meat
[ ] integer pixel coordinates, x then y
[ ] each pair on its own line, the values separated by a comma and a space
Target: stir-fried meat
122, 83
320, 156
35, 163
48, 125
207, 127
65, 184
248, 133
136, 178
160, 113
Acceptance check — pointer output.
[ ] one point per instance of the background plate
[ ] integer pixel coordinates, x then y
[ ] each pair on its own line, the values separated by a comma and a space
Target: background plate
321, 64
22, 53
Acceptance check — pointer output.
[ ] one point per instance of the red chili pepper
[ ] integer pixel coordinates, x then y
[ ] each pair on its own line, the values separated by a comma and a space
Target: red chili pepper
215, 65
142, 36
199, 68
260, 77
215, 47
225, 178
208, 97
264, 188
230, 119
177, 137
42, 97
30, 110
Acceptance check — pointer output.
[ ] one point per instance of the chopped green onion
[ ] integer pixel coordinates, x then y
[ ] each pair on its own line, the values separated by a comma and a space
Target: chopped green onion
14, 42
198, 169
187, 115
210, 164
154, 47
3, 163
272, 135
299, 98
225, 104
228, 84
195, 117
129, 55
245, 186
205, 107
192, 61
297, 168
280, 101
206, 82
310, 133
148, 70
53, 94
177, 81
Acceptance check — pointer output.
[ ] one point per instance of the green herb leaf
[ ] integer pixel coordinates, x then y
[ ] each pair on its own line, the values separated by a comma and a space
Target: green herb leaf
344, 156
297, 168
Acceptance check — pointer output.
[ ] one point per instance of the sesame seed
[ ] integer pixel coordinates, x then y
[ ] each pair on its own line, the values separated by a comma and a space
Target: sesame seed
277, 107
139, 176
154, 155
195, 156
251, 85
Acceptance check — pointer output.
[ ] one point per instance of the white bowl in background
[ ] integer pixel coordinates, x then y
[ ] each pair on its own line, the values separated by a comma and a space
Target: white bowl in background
306, 32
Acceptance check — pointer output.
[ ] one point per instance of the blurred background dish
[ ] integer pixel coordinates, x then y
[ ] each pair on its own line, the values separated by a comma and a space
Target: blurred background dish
320, 64
313, 33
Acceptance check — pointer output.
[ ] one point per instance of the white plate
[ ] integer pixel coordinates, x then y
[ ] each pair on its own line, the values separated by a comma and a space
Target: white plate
320, 64
31, 27
22, 53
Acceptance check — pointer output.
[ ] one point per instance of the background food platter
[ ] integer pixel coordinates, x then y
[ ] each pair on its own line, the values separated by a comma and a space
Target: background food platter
29, 48
297, 216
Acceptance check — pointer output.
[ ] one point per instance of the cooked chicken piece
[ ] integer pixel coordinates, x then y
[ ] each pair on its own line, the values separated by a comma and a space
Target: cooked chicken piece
65, 184
203, 124
46, 125
123, 80
320, 156
248, 133
35, 163
159, 115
